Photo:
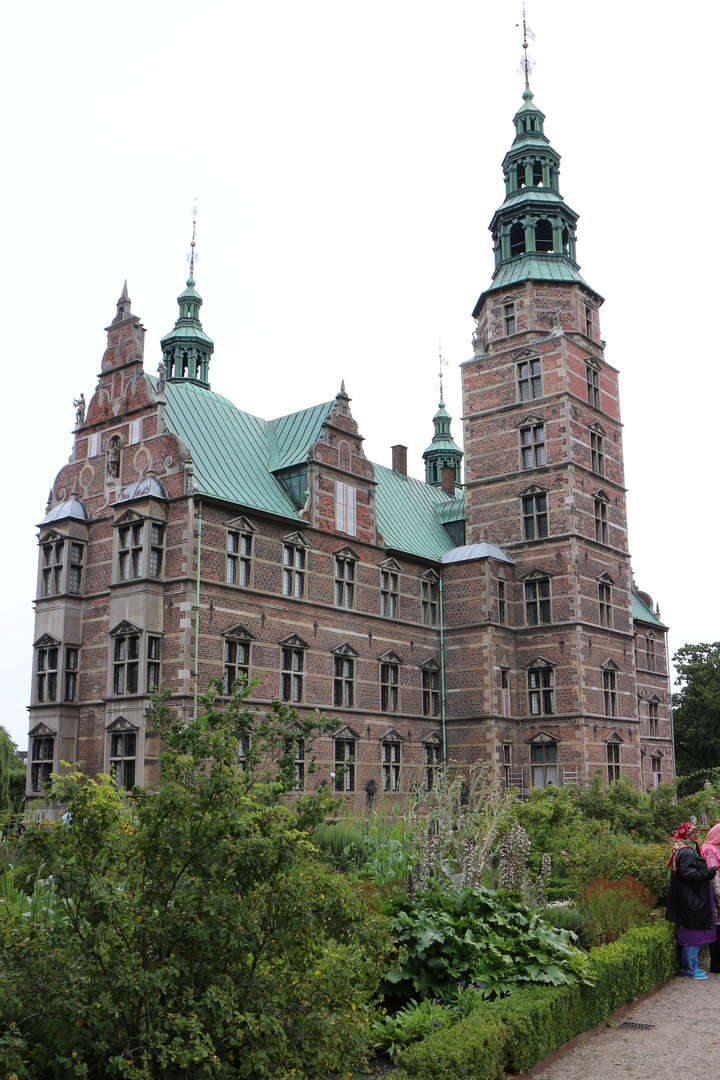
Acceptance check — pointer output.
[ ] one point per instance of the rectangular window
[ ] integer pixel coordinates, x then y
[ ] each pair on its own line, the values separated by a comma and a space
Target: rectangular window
605, 604
613, 760
130, 551
529, 380
156, 549
295, 748
239, 558
537, 601
543, 764
344, 582
344, 764
505, 691
388, 594
135, 432
432, 760
507, 763
389, 680
94, 445
243, 746
75, 570
71, 674
429, 595
535, 518
593, 386
502, 608
610, 692
509, 319
431, 692
126, 660
343, 681
597, 453
153, 665
123, 748
541, 692
47, 673
391, 766
294, 571
656, 770
52, 574
650, 652
292, 675
601, 528
237, 664
41, 764
653, 720
345, 508
588, 322
532, 447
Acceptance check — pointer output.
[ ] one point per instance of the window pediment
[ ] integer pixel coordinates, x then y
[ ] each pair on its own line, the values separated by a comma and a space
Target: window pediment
602, 495
346, 553
605, 578
125, 627
240, 632
543, 737
391, 735
614, 739
592, 362
41, 729
344, 650
525, 354
653, 700
534, 575
242, 525
45, 641
121, 724
390, 657
598, 428
391, 565
294, 641
128, 518
657, 752
530, 421
540, 662
296, 538
429, 575
430, 664
345, 733
609, 665
533, 489
48, 537
433, 739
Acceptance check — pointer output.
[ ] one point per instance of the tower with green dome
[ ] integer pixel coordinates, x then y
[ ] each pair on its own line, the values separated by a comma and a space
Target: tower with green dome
443, 452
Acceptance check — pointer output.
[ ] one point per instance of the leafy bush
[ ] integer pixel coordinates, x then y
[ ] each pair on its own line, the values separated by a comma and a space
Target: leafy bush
518, 1031
615, 857
342, 844
563, 915
612, 907
204, 938
476, 936
417, 1020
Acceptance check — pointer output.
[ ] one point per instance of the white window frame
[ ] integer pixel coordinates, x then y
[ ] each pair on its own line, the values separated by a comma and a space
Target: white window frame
345, 508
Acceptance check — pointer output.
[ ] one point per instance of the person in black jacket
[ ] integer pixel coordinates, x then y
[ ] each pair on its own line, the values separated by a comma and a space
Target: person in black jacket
690, 899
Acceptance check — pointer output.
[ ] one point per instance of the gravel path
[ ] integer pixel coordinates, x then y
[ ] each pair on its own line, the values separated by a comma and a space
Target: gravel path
683, 1042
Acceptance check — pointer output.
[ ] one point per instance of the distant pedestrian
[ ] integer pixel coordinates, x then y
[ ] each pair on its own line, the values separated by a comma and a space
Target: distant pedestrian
711, 855
690, 898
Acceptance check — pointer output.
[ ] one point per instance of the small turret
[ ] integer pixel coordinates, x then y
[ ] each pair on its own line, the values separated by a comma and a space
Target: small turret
443, 452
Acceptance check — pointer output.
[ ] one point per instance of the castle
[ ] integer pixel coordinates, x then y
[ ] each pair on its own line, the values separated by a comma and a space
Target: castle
490, 620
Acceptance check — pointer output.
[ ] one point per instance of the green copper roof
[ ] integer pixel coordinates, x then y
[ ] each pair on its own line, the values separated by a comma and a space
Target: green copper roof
642, 612
234, 455
537, 267
409, 514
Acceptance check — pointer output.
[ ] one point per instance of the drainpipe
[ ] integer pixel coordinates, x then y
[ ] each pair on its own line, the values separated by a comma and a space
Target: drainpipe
442, 673
197, 612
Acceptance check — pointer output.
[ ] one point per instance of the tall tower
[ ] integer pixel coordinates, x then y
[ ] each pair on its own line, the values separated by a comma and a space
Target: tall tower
544, 479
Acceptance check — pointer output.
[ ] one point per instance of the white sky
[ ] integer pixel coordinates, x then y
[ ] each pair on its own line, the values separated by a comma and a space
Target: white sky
345, 159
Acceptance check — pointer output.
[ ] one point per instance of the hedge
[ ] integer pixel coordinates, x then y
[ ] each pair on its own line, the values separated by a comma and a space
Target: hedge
516, 1032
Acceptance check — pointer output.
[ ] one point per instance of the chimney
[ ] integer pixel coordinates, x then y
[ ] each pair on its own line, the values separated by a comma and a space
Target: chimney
399, 459
447, 479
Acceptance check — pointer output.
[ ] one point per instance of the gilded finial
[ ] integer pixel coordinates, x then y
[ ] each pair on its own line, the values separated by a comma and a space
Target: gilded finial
527, 63
192, 257
441, 363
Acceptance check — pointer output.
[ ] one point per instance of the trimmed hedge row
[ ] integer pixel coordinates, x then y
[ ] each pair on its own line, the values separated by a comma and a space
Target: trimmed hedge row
516, 1032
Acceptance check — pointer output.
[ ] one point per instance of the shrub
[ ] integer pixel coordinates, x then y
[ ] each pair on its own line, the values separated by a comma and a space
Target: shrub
615, 857
563, 915
418, 1020
518, 1031
612, 907
342, 844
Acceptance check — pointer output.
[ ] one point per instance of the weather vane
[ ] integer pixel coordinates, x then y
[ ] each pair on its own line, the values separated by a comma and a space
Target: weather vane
527, 63
192, 257
442, 363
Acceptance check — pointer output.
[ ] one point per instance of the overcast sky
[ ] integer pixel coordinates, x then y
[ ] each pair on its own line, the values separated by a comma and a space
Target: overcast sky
345, 159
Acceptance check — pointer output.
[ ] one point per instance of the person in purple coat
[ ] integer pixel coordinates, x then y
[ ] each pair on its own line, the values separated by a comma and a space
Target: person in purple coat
690, 899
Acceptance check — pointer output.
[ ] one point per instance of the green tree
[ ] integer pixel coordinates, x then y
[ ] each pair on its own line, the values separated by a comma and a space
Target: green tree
202, 938
696, 708
12, 775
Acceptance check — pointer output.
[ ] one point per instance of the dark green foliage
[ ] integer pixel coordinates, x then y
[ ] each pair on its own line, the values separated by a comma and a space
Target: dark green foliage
202, 938
520, 1030
344, 845
12, 776
476, 936
696, 708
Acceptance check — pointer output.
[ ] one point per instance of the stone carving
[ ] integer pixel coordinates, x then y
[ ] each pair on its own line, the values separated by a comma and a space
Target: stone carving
79, 404
162, 372
113, 457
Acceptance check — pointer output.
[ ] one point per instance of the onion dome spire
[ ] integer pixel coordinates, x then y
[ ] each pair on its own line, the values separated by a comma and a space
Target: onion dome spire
443, 452
187, 348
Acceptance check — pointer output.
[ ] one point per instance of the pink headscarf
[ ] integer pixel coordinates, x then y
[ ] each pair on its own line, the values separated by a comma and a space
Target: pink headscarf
711, 847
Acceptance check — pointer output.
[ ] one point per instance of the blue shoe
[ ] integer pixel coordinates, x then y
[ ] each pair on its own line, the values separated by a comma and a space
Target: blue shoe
699, 974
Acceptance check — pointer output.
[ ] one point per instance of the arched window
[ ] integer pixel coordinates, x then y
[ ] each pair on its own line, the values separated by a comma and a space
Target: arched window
517, 239
543, 235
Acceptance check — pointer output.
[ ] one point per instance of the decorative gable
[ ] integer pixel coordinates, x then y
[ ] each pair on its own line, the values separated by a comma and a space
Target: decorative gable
592, 362
529, 421
296, 538
128, 518
345, 733
391, 735
533, 489
430, 664
344, 650
533, 575
597, 427
121, 724
540, 661
239, 632
433, 739
602, 495
614, 739
606, 579
391, 566
242, 524
346, 553
430, 575
45, 642
294, 641
41, 730
610, 665
542, 737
